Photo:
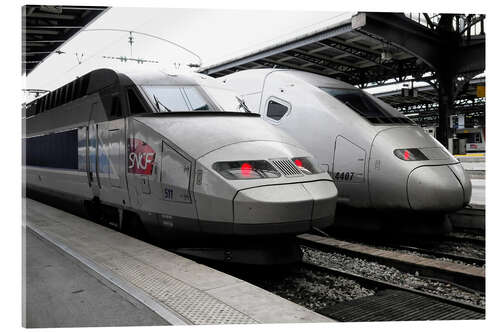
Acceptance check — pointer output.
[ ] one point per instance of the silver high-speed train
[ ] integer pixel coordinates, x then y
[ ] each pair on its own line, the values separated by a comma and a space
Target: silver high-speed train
177, 152
377, 157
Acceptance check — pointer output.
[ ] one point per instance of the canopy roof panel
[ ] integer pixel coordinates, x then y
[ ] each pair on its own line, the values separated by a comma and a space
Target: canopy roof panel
46, 28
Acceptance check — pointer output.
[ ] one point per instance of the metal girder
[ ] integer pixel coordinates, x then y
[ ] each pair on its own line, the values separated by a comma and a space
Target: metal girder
49, 16
45, 28
274, 63
56, 26
383, 70
471, 58
45, 41
439, 48
352, 50
401, 32
297, 53
40, 32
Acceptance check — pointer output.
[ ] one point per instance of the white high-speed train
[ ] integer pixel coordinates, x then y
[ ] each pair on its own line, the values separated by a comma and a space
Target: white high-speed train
377, 157
163, 149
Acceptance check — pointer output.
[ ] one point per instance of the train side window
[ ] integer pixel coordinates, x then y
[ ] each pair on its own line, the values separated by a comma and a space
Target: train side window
135, 105
276, 110
116, 107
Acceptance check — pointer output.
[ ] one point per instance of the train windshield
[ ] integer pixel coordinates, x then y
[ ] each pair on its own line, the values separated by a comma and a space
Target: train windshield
367, 106
177, 99
226, 99
193, 98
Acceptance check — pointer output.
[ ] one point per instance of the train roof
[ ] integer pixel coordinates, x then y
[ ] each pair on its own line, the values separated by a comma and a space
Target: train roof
103, 78
161, 77
314, 79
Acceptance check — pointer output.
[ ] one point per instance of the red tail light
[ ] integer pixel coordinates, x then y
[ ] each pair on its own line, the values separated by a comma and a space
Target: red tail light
410, 154
306, 165
246, 169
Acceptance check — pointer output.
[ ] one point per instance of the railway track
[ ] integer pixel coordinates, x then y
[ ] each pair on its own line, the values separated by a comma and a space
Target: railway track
462, 275
392, 302
466, 259
474, 239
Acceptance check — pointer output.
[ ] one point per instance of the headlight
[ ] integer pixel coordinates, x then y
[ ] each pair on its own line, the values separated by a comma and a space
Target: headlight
246, 170
412, 154
305, 165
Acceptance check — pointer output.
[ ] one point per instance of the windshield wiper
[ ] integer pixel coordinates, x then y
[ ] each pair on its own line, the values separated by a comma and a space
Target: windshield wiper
242, 104
158, 103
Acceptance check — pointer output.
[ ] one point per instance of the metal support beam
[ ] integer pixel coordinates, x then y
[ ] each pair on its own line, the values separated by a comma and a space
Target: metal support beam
49, 16
441, 46
273, 63
40, 32
279, 49
56, 26
318, 61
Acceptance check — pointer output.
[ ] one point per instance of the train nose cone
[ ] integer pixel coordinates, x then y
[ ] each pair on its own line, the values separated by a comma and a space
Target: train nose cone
464, 179
286, 208
437, 188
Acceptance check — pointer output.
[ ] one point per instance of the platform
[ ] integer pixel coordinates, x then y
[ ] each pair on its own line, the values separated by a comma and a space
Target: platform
168, 288
474, 164
472, 217
478, 198
60, 293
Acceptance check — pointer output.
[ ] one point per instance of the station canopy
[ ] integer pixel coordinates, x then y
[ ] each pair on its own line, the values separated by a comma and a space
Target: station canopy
421, 103
377, 49
339, 51
349, 52
46, 28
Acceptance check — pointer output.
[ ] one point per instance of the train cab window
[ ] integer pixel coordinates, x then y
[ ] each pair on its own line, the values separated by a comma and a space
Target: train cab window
167, 99
366, 106
135, 105
198, 103
276, 110
177, 99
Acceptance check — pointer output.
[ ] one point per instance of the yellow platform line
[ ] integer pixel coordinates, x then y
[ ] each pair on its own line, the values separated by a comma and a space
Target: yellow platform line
472, 155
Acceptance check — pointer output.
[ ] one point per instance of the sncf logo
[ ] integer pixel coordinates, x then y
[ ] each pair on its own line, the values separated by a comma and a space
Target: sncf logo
140, 157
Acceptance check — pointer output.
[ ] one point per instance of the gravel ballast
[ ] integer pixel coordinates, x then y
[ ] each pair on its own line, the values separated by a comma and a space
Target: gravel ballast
313, 289
390, 274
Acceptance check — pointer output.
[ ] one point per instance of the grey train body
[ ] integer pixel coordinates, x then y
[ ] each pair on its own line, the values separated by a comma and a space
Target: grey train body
159, 165
359, 152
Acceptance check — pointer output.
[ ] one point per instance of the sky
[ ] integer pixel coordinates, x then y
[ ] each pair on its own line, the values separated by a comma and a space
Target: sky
213, 34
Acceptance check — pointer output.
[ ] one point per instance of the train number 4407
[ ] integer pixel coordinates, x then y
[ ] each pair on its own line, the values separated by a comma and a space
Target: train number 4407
345, 176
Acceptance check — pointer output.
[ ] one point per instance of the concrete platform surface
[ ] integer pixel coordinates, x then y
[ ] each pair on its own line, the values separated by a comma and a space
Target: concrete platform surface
474, 166
478, 198
472, 157
177, 289
60, 293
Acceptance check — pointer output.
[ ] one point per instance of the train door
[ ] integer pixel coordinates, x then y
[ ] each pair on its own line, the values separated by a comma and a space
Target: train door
93, 153
113, 141
141, 146
348, 162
